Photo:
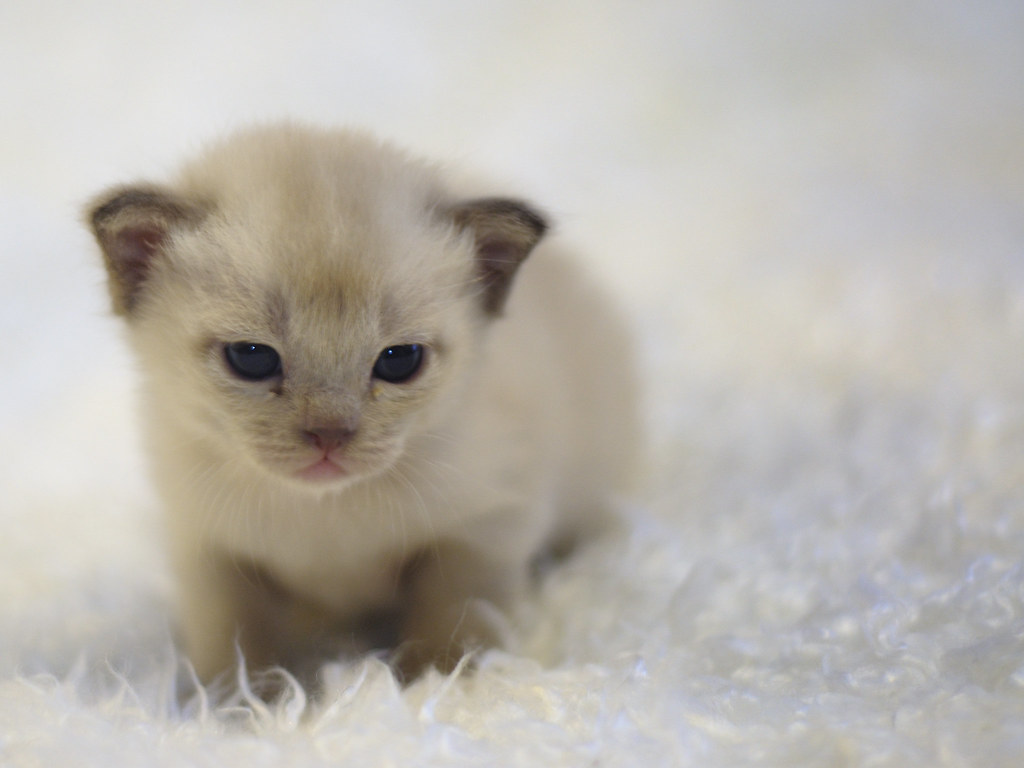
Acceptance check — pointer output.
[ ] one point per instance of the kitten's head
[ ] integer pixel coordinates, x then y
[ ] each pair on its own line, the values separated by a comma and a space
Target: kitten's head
308, 301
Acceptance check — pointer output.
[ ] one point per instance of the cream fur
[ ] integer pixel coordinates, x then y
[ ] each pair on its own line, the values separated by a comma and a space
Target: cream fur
329, 246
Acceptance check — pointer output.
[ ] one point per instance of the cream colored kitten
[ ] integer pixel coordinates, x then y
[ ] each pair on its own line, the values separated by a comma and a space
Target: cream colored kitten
356, 437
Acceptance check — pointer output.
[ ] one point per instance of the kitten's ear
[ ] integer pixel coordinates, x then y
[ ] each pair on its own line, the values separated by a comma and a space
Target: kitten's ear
505, 232
131, 225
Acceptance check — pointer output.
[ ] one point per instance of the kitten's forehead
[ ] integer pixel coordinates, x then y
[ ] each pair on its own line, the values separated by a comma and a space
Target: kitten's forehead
334, 221
285, 177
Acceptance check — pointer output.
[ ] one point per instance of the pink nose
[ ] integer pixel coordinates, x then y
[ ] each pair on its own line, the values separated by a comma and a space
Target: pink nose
328, 438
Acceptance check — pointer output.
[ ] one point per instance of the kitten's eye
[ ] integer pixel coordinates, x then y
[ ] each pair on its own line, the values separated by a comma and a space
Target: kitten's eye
252, 361
398, 364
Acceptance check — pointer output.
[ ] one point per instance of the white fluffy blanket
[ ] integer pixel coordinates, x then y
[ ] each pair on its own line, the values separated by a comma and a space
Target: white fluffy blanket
815, 213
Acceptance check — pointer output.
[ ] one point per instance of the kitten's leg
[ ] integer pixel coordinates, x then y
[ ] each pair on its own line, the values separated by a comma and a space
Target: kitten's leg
451, 593
227, 604
207, 611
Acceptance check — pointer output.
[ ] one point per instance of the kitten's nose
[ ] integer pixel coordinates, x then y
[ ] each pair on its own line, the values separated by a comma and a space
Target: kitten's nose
328, 438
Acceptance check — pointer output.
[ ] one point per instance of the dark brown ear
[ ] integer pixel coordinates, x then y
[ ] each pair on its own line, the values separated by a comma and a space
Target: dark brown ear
505, 232
131, 225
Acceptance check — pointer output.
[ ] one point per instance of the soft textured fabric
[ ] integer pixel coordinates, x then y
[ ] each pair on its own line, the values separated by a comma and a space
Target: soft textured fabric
814, 215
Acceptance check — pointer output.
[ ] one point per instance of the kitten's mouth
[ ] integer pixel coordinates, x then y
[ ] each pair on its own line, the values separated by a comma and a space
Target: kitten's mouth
322, 470
338, 468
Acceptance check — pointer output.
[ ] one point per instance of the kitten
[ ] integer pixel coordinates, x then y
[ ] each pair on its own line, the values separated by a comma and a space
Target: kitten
360, 433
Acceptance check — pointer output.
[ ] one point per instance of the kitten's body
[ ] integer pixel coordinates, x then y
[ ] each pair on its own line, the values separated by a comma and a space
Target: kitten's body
308, 507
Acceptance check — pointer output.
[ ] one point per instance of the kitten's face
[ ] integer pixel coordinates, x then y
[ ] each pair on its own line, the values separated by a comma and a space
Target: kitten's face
306, 301
314, 357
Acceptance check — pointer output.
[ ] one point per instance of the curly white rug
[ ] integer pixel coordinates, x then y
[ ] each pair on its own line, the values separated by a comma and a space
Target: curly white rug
815, 213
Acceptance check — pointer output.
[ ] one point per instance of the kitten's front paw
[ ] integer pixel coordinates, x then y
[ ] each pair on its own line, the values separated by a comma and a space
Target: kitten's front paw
440, 643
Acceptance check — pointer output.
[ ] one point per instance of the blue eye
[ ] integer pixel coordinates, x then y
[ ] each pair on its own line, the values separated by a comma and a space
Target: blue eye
396, 365
253, 362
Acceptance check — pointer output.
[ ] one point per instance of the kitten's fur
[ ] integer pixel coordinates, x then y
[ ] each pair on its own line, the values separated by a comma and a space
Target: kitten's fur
330, 247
